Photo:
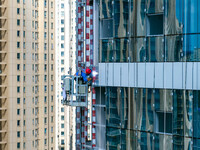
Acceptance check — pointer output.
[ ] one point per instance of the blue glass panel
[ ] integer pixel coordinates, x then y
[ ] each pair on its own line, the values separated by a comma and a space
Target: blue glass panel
106, 49
196, 114
105, 8
121, 17
191, 48
155, 49
154, 6
121, 50
178, 113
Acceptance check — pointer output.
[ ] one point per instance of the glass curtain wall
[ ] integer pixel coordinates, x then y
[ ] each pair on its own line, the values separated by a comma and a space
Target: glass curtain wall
152, 119
149, 30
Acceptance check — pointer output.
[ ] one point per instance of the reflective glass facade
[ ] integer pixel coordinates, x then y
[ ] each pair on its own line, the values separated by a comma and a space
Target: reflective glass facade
150, 31
152, 118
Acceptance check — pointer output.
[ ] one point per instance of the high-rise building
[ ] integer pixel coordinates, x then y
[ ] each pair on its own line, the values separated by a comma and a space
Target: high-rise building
27, 119
65, 65
148, 95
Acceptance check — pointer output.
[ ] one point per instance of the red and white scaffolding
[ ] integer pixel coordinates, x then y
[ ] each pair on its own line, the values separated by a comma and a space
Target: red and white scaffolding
85, 55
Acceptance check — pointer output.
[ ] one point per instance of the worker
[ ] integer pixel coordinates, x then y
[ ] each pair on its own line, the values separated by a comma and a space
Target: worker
86, 75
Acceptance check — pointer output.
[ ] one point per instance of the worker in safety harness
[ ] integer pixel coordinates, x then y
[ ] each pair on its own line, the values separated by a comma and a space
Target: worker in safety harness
86, 76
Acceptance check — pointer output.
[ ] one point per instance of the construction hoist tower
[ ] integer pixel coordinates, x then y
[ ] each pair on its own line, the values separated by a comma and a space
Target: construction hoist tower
75, 92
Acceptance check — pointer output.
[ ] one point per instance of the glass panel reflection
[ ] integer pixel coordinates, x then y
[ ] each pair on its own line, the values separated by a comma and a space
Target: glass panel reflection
155, 49
106, 49
105, 8
121, 17
154, 6
121, 50
173, 48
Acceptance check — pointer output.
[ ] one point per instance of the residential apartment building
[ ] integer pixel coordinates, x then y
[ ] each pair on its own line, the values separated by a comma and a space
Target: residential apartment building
27, 74
65, 65
148, 95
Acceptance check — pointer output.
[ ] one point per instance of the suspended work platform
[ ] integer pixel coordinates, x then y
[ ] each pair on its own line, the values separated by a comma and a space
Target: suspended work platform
75, 91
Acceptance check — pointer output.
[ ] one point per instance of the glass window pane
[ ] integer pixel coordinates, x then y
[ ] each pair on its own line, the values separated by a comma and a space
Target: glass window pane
173, 48
154, 6
106, 51
155, 49
121, 50
105, 8
121, 18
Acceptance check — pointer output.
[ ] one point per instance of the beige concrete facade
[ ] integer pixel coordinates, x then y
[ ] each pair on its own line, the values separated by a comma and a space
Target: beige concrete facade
27, 119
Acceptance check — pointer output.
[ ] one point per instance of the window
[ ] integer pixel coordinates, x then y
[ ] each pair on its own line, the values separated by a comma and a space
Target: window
18, 145
62, 37
62, 142
62, 21
62, 133
62, 53
51, 77
51, 87
51, 108
18, 100
51, 129
62, 109
18, 11
24, 23
52, 36
45, 3
51, 15
45, 46
62, 45
45, 24
18, 122
62, 69
45, 110
24, 56
18, 111
18, 44
62, 5
18, 78
155, 24
51, 118
62, 29
45, 88
51, 98
160, 127
24, 34
45, 120
51, 67
18, 89
62, 61
51, 4
51, 56
62, 125
51, 46
45, 57
18, 33
45, 131
62, 117
45, 35
45, 99
18, 1
62, 13
18, 134
24, 45
51, 139
45, 14
18, 67
45, 141
51, 25
24, 122
18, 55
45, 67
24, 12
45, 78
